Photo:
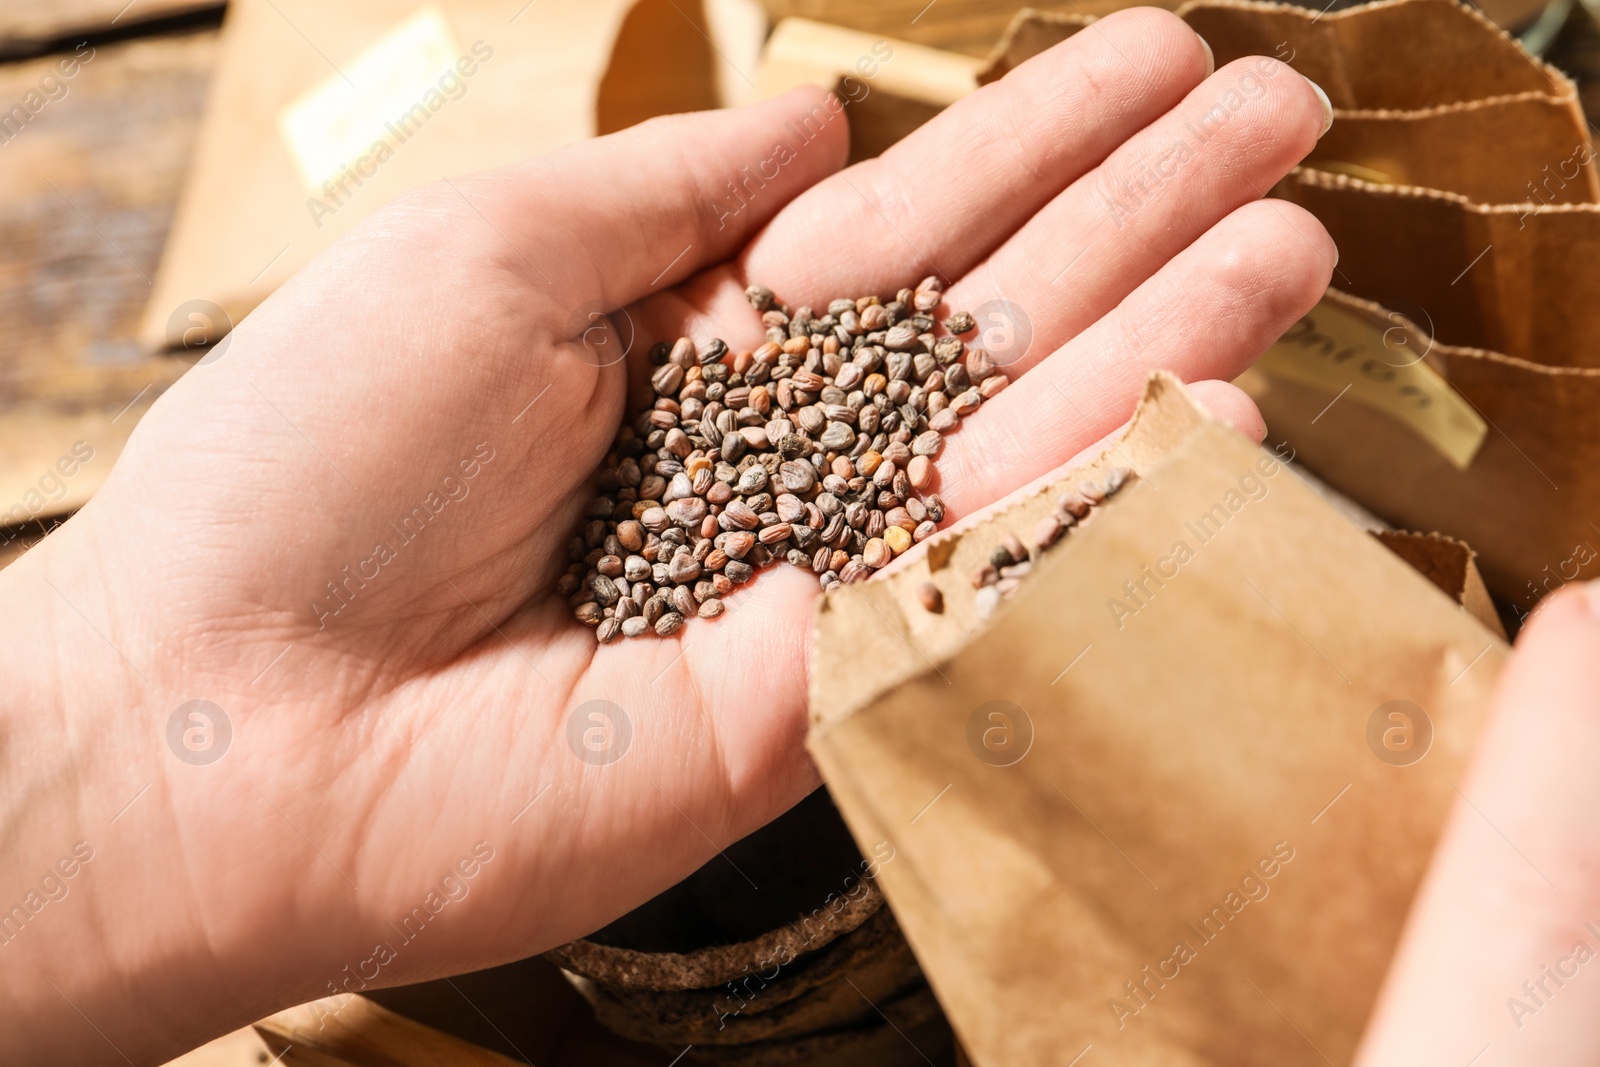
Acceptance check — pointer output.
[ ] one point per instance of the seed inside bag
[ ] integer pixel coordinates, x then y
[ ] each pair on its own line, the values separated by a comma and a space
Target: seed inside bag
1010, 561
815, 449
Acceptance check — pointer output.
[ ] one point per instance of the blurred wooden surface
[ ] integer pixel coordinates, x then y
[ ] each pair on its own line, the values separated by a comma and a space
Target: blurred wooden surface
28, 26
87, 190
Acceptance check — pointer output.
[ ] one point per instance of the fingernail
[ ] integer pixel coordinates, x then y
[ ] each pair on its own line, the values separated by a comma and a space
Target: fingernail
1211, 57
1591, 598
1327, 106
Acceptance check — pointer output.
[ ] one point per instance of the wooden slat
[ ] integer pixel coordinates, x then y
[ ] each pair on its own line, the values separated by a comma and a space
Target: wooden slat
26, 26
87, 190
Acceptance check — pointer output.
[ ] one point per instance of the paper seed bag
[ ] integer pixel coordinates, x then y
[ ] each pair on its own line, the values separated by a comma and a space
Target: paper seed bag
1172, 800
1469, 111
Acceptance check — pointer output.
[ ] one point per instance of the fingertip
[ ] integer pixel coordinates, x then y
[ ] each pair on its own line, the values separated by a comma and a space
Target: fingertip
815, 119
1166, 39
1293, 111
1232, 405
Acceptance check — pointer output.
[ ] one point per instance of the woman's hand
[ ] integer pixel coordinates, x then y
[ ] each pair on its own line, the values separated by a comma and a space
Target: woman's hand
343, 531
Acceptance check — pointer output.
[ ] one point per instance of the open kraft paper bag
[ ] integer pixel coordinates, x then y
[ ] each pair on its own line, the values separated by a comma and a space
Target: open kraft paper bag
1468, 111
1163, 803
1452, 383
321, 113
1425, 92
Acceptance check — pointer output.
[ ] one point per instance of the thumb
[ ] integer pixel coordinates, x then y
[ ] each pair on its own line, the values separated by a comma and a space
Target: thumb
1500, 960
662, 200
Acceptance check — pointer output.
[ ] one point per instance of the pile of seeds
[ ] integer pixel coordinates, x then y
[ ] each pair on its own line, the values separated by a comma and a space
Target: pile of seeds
815, 448
1010, 562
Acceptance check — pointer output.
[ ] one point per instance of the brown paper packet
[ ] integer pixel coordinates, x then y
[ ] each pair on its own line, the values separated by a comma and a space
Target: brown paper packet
1186, 776
1397, 55
1031, 31
255, 206
1489, 150
1486, 139
1493, 449
1449, 564
1511, 278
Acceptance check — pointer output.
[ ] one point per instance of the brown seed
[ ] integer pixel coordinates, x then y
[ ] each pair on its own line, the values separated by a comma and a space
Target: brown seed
631, 534
667, 379
1075, 505
771, 535
798, 476
979, 364
927, 443
925, 529
683, 568
930, 596
897, 538
710, 609
876, 553
946, 420
993, 384
589, 614
1047, 531
902, 336
668, 624
608, 631
1013, 546
687, 512
984, 575
682, 353
635, 626
738, 516
961, 322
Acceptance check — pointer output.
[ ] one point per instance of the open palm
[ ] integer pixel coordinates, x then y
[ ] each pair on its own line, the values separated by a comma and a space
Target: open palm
344, 530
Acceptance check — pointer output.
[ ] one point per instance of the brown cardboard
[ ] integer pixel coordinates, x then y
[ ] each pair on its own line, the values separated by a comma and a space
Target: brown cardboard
1210, 750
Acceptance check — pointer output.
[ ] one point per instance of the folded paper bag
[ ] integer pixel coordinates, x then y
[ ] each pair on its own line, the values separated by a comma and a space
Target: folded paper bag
1172, 800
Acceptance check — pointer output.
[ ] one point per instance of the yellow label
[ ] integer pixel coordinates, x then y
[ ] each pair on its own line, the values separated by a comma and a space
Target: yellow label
1381, 365
375, 102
